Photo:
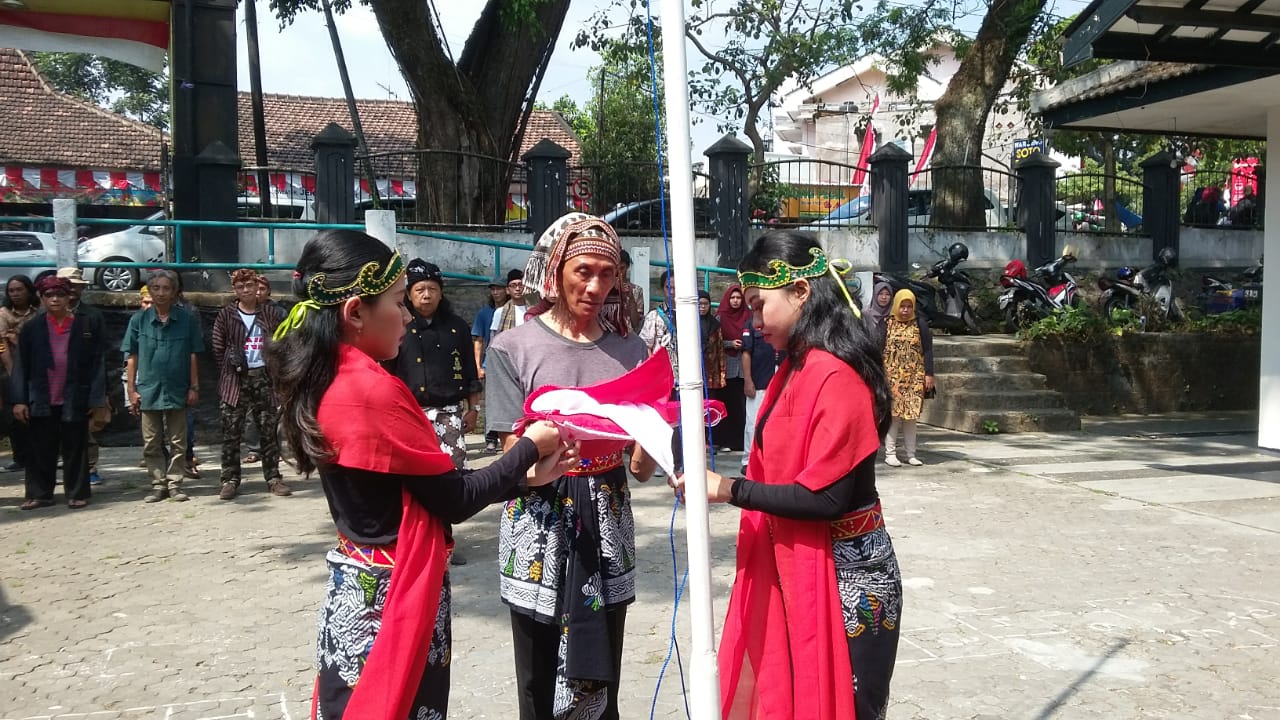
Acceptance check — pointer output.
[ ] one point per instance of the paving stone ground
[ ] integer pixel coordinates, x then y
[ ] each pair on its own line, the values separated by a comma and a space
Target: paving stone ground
1127, 571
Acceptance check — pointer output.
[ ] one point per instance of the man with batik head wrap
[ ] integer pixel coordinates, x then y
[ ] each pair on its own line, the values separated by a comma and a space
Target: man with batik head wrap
567, 551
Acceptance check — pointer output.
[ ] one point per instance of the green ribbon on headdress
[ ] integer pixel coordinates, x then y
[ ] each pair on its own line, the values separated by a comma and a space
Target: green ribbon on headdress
294, 319
372, 279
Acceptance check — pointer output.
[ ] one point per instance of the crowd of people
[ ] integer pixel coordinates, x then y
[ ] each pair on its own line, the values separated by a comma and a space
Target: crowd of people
374, 381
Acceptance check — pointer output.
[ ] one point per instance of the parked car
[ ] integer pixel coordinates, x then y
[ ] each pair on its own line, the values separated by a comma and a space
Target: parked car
644, 217
137, 244
25, 246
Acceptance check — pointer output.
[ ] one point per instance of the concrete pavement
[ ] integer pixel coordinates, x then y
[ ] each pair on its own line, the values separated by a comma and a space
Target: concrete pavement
1125, 571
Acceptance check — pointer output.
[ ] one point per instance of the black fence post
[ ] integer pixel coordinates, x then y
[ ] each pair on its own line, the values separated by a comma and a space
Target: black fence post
1161, 195
729, 160
217, 166
335, 150
547, 165
889, 204
1260, 197
1037, 206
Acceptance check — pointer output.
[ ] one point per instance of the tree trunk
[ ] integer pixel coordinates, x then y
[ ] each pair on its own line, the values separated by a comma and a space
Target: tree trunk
476, 109
962, 111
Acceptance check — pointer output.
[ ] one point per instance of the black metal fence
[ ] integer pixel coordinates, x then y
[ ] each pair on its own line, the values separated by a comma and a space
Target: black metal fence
289, 194
465, 190
994, 189
810, 192
1100, 203
1212, 198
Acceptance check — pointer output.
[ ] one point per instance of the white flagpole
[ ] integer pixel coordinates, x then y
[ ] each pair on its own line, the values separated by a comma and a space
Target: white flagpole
704, 685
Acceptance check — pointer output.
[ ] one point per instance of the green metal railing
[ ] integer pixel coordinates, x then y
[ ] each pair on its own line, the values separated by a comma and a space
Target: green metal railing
271, 227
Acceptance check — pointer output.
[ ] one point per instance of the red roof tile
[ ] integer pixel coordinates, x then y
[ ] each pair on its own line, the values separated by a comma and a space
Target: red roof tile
41, 126
389, 126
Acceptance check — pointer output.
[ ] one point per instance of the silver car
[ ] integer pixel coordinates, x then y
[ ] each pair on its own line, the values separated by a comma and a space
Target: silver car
137, 244
21, 246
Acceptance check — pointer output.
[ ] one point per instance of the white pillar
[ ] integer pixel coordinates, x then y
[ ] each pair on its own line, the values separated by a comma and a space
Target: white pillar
382, 225
64, 232
1269, 380
640, 272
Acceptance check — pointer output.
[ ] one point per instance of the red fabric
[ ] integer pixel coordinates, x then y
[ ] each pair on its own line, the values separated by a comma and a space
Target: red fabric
733, 322
372, 422
775, 665
646, 384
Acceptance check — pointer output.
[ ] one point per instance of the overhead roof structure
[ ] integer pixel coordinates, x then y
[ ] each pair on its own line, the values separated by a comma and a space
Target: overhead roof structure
1239, 33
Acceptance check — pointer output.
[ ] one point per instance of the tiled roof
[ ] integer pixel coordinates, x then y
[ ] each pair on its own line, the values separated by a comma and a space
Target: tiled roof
389, 126
1111, 79
41, 126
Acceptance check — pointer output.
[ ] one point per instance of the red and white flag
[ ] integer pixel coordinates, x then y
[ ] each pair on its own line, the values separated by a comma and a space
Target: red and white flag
131, 31
868, 147
926, 155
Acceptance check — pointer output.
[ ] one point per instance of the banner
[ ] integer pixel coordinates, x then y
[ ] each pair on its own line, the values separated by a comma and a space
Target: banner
131, 31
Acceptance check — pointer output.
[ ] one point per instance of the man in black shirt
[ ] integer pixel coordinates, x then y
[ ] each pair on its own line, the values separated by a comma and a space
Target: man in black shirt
437, 362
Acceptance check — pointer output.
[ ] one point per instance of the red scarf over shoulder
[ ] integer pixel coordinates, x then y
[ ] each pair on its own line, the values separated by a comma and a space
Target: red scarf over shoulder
784, 654
373, 423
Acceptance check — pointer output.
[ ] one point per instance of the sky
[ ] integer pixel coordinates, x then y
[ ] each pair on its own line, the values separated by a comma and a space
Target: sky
374, 74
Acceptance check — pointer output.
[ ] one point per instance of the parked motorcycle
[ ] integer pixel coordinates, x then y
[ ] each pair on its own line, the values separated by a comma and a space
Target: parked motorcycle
1049, 288
1124, 290
1218, 295
946, 307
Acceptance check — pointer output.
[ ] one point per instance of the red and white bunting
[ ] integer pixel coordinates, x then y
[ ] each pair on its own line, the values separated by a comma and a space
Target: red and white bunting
47, 178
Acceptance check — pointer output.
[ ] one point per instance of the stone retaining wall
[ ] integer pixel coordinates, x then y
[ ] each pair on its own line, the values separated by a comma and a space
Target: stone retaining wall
1152, 372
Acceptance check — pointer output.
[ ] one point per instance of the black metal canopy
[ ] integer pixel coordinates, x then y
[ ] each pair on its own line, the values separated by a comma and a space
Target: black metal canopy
1240, 33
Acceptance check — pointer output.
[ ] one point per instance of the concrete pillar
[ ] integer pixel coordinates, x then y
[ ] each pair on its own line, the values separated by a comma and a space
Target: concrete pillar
1037, 207
64, 231
889, 204
1269, 380
1161, 196
547, 166
640, 271
335, 149
217, 165
729, 160
382, 225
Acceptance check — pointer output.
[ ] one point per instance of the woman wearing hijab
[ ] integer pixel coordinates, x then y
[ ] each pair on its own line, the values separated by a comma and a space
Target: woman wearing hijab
878, 313
908, 361
734, 318
712, 343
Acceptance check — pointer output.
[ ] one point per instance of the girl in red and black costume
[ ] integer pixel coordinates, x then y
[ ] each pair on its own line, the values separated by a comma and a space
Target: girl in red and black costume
812, 627
386, 620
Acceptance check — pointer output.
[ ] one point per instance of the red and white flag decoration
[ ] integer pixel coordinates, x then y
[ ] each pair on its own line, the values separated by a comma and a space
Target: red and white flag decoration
868, 147
132, 31
52, 179
926, 155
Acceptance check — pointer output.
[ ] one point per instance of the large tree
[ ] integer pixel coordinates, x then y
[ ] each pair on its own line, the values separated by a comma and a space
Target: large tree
477, 103
751, 49
120, 87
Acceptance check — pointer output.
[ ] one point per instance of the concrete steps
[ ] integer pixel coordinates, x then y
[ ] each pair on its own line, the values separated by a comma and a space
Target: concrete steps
985, 384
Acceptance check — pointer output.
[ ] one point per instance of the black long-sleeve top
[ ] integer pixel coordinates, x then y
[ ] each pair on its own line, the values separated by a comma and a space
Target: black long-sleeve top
795, 501
437, 360
366, 505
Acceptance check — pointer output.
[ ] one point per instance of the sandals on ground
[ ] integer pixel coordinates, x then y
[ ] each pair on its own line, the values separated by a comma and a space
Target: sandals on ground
35, 504
77, 504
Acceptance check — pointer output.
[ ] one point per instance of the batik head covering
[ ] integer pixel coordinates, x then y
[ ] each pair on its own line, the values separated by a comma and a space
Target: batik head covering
572, 235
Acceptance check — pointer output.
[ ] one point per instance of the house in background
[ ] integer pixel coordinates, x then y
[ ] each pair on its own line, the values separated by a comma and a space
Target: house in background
53, 145
827, 121
391, 130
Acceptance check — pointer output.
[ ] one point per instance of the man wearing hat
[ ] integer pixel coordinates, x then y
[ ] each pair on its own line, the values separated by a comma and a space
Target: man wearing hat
482, 333
100, 415
58, 378
437, 363
510, 315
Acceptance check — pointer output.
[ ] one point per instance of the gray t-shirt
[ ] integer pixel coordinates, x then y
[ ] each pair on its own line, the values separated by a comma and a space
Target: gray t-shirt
528, 357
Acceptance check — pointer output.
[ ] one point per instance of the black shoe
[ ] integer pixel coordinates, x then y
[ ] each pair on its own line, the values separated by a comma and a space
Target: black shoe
457, 558
14, 467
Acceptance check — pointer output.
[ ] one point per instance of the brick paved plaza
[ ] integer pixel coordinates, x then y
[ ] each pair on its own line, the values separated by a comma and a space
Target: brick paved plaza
1124, 572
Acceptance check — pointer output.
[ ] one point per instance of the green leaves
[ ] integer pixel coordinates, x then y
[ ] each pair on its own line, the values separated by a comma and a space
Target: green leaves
120, 87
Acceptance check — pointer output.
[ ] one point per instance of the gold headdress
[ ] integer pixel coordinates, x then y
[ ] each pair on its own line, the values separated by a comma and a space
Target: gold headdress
781, 273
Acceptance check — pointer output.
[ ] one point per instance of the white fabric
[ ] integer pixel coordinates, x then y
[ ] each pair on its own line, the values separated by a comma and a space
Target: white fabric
252, 342
749, 427
495, 327
642, 423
